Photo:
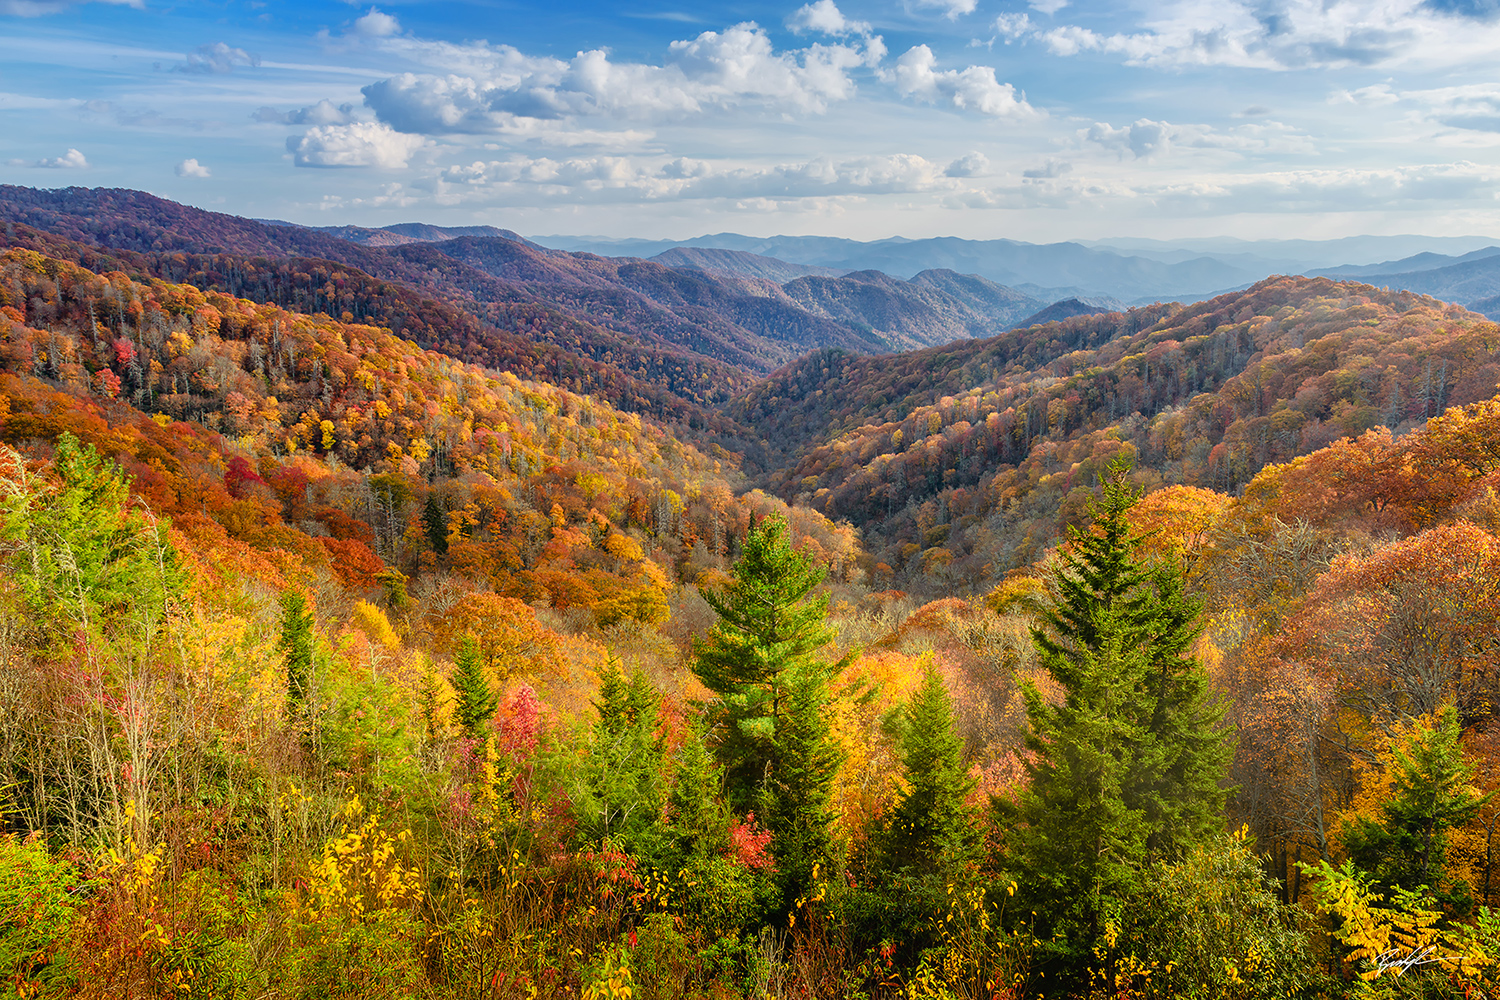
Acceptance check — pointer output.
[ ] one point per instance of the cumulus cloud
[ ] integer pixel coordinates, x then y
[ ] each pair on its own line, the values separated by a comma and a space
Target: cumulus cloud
359, 144
1012, 27
375, 24
735, 67
71, 160
826, 18
192, 168
218, 57
951, 9
322, 113
1373, 96
1050, 170
1296, 34
968, 165
1145, 139
617, 178
971, 89
41, 8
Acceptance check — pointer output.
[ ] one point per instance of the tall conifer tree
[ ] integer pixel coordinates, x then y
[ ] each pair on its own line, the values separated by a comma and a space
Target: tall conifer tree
1432, 795
296, 646
768, 725
618, 794
1129, 769
476, 700
931, 827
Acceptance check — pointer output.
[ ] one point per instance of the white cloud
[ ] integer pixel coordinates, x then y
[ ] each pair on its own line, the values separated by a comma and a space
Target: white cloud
322, 113
1473, 107
375, 24
1050, 170
1348, 190
1296, 34
71, 160
1012, 27
715, 70
1048, 7
1374, 95
968, 165
41, 8
825, 17
218, 57
192, 168
974, 88
1070, 40
1145, 139
626, 179
951, 9
359, 144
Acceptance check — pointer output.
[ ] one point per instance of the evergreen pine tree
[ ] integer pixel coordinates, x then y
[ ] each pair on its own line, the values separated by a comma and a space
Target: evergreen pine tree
931, 827
476, 700
1128, 769
1408, 845
767, 726
795, 799
435, 525
697, 825
429, 702
296, 646
618, 793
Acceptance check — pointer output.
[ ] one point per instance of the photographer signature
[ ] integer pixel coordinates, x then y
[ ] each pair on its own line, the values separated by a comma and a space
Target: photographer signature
1395, 960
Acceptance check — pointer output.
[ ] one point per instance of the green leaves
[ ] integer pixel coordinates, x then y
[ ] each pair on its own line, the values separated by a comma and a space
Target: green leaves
476, 701
930, 828
1407, 848
768, 625
1128, 768
81, 552
617, 788
768, 725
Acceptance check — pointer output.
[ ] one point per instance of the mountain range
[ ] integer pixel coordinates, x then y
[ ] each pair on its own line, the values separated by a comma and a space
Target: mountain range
1133, 272
1108, 274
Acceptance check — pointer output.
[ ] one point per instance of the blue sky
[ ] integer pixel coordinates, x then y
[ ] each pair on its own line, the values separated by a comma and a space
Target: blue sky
1041, 121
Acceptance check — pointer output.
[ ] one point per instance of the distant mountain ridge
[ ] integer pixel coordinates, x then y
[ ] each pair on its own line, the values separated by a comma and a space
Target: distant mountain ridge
1007, 262
1068, 308
632, 316
1136, 271
1474, 282
1425, 261
741, 264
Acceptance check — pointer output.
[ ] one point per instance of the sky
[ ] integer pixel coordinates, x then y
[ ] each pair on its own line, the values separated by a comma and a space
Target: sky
1041, 121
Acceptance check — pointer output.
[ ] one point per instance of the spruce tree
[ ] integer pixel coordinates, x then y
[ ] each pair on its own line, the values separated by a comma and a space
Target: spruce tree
476, 700
768, 725
296, 646
1407, 846
1128, 770
795, 798
931, 827
697, 822
618, 795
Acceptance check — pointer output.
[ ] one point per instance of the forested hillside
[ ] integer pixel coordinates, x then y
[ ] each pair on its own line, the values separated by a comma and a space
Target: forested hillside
964, 461
386, 633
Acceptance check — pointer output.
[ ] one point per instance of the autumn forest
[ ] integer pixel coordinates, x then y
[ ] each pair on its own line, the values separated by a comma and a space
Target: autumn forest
467, 619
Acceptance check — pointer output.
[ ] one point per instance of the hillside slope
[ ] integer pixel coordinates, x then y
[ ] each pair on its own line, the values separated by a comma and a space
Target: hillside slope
739, 264
961, 461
